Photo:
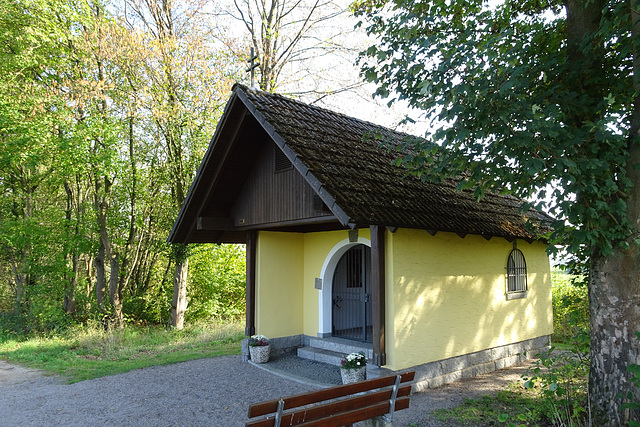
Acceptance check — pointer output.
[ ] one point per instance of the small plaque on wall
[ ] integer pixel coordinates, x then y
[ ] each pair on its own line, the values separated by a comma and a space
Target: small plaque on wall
318, 283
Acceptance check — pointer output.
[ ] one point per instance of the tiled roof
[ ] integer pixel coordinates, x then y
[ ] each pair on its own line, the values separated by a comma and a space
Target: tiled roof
360, 176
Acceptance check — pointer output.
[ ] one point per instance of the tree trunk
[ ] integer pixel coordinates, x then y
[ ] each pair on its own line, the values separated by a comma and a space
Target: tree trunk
179, 303
614, 303
614, 300
614, 297
115, 297
69, 304
101, 282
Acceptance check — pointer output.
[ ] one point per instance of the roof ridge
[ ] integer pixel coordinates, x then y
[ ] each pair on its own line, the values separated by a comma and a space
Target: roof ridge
322, 110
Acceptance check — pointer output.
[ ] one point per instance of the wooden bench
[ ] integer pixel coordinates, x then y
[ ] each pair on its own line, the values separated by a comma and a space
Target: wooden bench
337, 406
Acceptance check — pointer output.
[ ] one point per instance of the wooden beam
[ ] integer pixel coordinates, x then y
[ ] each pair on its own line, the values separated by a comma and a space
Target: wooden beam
378, 293
206, 223
325, 219
251, 248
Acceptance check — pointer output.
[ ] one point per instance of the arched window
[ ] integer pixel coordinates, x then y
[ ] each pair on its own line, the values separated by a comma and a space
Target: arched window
516, 274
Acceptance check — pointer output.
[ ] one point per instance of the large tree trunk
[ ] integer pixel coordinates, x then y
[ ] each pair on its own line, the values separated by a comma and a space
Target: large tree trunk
179, 303
614, 293
614, 303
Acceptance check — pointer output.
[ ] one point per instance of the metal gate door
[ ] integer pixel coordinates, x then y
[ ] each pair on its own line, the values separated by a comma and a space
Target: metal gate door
351, 295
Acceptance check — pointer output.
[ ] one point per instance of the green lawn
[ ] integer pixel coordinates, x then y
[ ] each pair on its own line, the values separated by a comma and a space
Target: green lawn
87, 353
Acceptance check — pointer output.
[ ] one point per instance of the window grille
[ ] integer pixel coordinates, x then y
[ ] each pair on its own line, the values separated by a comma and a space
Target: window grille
319, 206
282, 162
516, 272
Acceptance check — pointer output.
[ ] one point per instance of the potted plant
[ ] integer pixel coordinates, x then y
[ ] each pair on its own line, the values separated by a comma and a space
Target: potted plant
354, 368
259, 348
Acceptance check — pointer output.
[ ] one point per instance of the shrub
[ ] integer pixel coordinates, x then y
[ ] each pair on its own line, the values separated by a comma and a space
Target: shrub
561, 377
570, 309
216, 288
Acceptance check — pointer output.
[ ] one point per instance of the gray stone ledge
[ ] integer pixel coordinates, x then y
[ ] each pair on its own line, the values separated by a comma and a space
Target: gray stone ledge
435, 374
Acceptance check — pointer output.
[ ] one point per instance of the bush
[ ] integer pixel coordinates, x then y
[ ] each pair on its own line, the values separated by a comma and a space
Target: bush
570, 309
561, 378
12, 325
216, 286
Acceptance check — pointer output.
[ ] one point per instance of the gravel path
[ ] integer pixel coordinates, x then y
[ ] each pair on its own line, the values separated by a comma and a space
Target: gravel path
205, 392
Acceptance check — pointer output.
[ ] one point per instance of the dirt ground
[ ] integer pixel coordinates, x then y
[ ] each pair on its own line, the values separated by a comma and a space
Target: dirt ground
206, 392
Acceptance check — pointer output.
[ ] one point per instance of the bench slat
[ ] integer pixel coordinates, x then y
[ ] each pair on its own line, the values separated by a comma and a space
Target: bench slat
326, 410
333, 419
356, 415
309, 398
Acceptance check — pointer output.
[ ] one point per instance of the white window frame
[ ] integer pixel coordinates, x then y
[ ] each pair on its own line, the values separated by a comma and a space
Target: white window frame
517, 280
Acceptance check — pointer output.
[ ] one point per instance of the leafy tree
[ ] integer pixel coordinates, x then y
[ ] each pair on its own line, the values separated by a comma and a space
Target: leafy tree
539, 99
185, 87
103, 120
36, 152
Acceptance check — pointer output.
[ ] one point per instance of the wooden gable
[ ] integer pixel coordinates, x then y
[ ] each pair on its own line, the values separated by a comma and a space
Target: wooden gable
340, 176
276, 195
238, 187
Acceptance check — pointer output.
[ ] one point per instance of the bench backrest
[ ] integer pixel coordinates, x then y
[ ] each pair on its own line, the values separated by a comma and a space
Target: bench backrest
337, 406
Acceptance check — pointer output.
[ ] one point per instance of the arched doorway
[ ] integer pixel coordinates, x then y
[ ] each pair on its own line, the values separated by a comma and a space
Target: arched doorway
351, 295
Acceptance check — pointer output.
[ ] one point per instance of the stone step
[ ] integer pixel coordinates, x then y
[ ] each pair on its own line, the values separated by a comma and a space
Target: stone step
342, 346
332, 358
320, 355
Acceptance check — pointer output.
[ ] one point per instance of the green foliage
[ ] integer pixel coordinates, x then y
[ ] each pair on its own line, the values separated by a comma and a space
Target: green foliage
12, 326
554, 393
89, 352
91, 136
570, 309
561, 378
632, 399
517, 102
632, 402
216, 282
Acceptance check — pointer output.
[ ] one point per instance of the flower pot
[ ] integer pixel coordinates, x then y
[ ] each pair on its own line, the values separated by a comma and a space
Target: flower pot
260, 353
353, 375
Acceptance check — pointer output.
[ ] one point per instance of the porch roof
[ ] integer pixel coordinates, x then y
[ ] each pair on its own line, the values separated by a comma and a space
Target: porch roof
341, 158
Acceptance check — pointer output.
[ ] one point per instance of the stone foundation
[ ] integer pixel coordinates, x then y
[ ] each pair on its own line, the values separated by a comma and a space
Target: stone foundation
435, 374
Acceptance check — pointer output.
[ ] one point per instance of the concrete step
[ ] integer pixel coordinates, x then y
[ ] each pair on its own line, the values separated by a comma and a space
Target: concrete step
320, 355
332, 358
332, 350
342, 346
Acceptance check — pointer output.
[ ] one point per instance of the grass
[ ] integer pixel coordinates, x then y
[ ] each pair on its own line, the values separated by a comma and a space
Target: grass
514, 405
87, 353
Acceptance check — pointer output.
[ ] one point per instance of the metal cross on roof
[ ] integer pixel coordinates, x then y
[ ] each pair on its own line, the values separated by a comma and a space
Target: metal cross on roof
252, 66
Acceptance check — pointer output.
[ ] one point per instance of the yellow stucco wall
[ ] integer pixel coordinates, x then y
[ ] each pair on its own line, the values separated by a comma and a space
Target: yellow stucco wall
445, 294
279, 276
287, 266
449, 296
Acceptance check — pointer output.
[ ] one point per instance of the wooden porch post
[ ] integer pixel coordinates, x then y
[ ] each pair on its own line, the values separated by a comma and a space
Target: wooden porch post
378, 293
250, 327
